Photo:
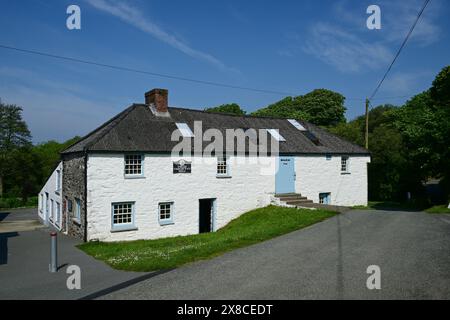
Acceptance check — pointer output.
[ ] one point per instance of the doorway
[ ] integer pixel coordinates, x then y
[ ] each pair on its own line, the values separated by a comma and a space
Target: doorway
206, 215
285, 176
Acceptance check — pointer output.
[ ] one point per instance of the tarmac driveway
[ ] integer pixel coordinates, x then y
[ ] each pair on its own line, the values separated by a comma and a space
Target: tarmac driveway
328, 260
25, 257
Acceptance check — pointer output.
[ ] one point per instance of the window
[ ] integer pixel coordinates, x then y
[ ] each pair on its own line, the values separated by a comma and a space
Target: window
46, 204
276, 135
328, 156
222, 166
325, 198
344, 165
58, 213
165, 213
52, 210
69, 205
77, 209
186, 132
41, 202
133, 165
58, 181
296, 124
122, 215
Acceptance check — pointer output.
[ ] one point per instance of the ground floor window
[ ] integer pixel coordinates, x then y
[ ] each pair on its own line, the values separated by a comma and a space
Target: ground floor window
122, 214
325, 198
58, 213
165, 213
78, 209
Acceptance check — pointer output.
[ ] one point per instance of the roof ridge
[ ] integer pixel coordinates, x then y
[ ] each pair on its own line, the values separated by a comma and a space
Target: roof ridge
234, 115
123, 112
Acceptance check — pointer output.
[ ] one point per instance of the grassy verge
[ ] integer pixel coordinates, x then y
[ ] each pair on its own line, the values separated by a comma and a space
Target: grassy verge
9, 203
438, 209
391, 205
252, 227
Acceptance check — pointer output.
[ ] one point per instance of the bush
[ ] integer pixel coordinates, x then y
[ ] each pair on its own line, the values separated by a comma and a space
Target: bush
15, 202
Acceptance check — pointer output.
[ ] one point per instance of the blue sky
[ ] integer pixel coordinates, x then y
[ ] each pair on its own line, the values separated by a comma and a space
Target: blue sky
288, 46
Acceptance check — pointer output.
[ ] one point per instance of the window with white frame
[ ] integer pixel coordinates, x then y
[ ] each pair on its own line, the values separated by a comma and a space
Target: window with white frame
77, 209
222, 166
133, 165
165, 214
58, 213
344, 164
122, 214
52, 210
58, 180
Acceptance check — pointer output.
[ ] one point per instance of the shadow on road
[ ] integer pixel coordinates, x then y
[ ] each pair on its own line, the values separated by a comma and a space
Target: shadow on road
3, 215
4, 246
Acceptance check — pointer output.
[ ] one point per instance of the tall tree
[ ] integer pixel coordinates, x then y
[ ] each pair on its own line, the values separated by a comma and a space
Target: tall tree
231, 108
14, 134
320, 106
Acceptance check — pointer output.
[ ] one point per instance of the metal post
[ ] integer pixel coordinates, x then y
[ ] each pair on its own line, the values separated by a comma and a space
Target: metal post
53, 253
367, 124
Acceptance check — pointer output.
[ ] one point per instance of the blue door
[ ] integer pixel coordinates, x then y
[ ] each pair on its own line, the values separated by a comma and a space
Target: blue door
285, 176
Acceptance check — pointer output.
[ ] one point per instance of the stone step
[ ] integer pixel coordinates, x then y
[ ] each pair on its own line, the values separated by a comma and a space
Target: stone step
293, 198
299, 202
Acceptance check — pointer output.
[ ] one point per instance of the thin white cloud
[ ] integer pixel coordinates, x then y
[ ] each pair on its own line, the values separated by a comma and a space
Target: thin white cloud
344, 50
403, 83
134, 17
349, 46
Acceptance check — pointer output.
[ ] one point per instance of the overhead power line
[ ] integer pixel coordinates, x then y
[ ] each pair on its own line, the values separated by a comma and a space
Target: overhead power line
155, 74
401, 48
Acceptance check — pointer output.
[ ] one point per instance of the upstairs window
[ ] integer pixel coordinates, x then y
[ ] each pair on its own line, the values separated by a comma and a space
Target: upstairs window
186, 132
222, 167
58, 181
344, 164
276, 134
133, 165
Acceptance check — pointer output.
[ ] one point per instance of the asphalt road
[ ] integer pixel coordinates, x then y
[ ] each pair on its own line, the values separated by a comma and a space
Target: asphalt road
325, 261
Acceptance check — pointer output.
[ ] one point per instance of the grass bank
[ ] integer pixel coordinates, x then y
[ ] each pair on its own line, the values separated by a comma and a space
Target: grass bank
250, 228
438, 209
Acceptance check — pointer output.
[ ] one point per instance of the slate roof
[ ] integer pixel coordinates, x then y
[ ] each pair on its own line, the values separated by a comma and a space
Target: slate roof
137, 129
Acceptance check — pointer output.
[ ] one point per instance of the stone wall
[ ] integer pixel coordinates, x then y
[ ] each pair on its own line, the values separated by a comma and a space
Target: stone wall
74, 187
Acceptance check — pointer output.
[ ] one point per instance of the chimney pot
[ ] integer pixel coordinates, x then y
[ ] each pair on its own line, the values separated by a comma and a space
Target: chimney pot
159, 98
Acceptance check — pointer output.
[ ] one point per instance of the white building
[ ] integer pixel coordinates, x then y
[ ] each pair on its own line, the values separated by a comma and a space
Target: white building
122, 181
50, 200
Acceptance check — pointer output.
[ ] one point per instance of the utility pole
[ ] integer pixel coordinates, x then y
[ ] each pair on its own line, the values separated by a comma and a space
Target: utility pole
367, 124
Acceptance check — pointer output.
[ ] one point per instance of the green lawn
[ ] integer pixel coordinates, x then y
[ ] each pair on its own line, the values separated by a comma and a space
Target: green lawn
9, 203
252, 227
438, 209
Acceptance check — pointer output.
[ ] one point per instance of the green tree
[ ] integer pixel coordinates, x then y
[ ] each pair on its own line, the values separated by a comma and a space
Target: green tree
321, 106
14, 134
231, 108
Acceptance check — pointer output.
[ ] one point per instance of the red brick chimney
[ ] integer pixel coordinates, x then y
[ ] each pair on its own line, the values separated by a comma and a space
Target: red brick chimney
159, 98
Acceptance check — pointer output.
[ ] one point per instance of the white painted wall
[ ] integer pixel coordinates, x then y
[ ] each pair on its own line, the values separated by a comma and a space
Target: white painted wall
247, 189
50, 187
316, 174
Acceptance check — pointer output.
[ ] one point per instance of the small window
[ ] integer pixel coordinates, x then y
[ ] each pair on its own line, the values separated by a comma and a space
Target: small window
222, 166
122, 214
325, 198
133, 165
186, 132
165, 214
41, 203
58, 181
328, 156
58, 213
46, 204
344, 164
52, 210
77, 215
276, 134
69, 205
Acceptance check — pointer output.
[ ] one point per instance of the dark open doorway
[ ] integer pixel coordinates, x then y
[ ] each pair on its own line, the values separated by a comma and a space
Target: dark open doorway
206, 215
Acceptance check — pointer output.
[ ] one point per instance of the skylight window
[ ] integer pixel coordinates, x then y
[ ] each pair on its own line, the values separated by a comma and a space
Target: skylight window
276, 135
296, 124
186, 132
